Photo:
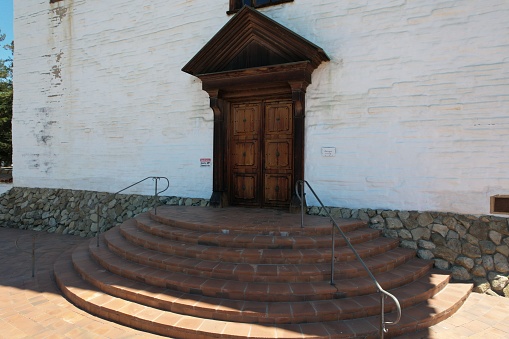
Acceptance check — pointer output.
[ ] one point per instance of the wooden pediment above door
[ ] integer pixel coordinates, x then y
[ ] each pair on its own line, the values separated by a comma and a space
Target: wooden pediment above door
252, 40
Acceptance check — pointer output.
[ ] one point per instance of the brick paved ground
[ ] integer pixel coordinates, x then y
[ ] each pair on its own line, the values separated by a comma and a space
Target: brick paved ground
34, 308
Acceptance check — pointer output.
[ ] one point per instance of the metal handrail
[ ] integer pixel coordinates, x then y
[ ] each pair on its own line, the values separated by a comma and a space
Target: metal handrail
383, 293
33, 251
156, 193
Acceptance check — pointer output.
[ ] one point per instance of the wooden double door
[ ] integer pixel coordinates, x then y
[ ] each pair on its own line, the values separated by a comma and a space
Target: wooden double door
260, 166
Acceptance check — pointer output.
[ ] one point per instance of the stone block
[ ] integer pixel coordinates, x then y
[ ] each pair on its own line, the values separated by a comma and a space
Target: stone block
479, 230
421, 233
495, 236
442, 264
487, 247
409, 244
441, 229
466, 262
455, 245
424, 219
445, 253
501, 264
452, 235
437, 239
391, 233
498, 282
460, 273
377, 220
479, 271
481, 284
394, 223
428, 245
488, 263
409, 223
504, 250
363, 215
389, 214
500, 226
471, 239
403, 215
425, 254
471, 251
404, 234
450, 222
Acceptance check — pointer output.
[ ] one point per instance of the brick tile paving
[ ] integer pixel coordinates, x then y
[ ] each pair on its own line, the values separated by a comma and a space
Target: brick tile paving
34, 308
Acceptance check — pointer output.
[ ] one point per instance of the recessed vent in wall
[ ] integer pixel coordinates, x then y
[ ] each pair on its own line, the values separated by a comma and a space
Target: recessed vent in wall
499, 204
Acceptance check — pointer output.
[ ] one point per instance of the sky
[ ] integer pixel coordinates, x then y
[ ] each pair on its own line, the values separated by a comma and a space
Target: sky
6, 18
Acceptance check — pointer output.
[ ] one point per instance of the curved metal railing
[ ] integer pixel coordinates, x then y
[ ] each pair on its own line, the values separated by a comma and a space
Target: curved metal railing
383, 293
156, 193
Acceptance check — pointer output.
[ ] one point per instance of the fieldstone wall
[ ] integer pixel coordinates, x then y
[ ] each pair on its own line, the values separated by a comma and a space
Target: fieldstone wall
474, 248
75, 212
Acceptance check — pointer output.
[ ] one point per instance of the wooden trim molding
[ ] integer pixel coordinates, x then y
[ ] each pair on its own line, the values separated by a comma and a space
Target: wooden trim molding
236, 5
499, 204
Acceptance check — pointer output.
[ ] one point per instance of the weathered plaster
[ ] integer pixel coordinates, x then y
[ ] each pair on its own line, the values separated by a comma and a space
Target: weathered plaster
415, 98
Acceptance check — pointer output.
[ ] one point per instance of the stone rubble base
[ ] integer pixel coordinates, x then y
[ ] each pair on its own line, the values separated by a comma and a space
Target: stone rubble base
474, 248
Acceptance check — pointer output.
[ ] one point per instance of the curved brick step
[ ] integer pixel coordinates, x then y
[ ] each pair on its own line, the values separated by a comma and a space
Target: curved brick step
253, 255
406, 273
252, 272
252, 311
146, 318
149, 225
261, 291
248, 221
229, 289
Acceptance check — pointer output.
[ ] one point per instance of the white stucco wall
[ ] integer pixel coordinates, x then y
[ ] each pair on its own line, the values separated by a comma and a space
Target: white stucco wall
414, 100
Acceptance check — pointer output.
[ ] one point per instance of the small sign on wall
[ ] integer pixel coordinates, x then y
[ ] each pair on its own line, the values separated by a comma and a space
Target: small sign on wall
205, 162
328, 151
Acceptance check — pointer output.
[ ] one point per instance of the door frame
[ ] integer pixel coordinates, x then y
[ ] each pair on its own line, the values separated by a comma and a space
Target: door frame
280, 81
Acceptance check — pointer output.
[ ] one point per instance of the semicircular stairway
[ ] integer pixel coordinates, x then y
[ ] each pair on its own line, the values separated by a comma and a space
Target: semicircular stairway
197, 272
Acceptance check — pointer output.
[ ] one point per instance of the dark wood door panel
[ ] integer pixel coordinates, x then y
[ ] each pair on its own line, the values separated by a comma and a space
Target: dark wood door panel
277, 190
278, 155
245, 188
246, 120
278, 118
245, 154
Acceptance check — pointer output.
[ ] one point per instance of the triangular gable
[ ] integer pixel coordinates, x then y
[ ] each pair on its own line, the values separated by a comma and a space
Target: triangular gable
251, 39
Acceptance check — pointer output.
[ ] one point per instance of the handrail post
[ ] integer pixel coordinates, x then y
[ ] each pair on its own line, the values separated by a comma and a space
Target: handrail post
33, 256
333, 257
98, 223
302, 204
155, 195
34, 237
382, 315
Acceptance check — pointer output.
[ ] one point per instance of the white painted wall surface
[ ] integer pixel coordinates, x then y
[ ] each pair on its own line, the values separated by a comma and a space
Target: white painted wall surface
415, 98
